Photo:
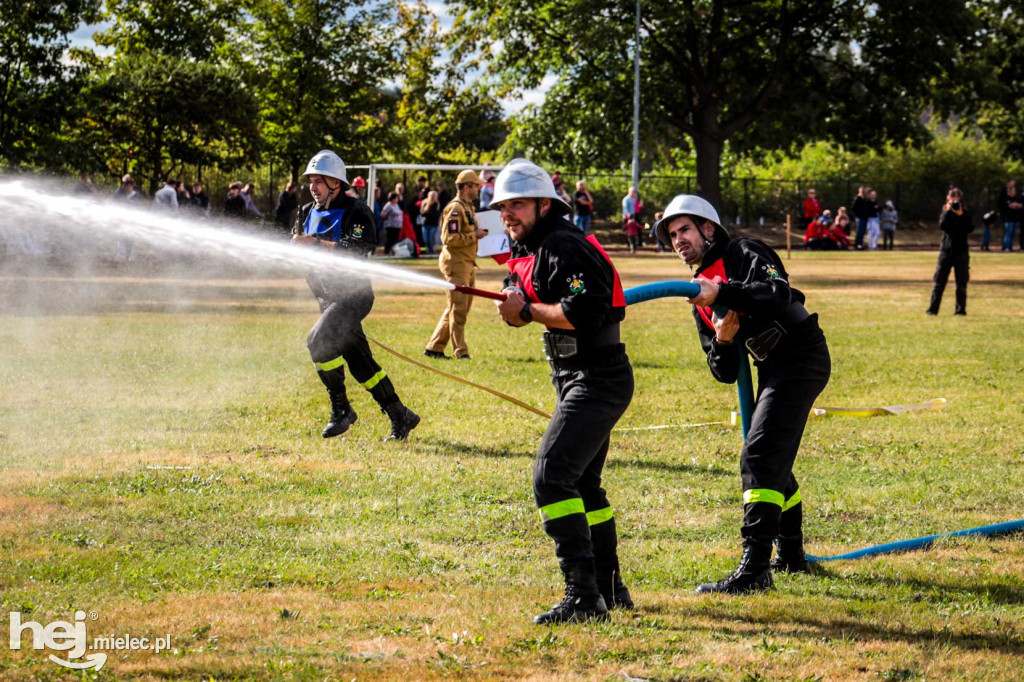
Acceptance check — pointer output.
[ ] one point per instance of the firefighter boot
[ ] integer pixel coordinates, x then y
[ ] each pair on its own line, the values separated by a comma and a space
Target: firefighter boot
606, 565
789, 556
752, 575
582, 601
342, 414
403, 420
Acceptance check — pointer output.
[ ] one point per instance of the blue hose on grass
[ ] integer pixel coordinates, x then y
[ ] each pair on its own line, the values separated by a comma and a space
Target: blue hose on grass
745, 389
744, 383
922, 543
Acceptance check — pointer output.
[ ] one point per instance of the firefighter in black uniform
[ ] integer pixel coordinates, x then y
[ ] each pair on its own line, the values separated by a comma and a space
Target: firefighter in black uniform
339, 222
768, 317
565, 281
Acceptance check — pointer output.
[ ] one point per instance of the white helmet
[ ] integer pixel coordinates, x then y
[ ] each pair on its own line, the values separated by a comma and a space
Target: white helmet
522, 179
685, 204
328, 164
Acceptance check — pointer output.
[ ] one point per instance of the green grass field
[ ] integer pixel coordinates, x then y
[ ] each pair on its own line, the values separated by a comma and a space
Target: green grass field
162, 467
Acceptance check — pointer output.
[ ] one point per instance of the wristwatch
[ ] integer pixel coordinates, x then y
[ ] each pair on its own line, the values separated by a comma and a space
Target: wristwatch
524, 313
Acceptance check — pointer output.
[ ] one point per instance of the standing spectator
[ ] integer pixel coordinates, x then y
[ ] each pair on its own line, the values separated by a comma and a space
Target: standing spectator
412, 206
632, 228
391, 220
400, 191
444, 197
956, 223
1010, 205
629, 205
166, 198
556, 180
812, 207
860, 211
184, 198
234, 204
358, 189
842, 221
889, 219
584, 204
250, 205
287, 202
127, 190
200, 202
487, 191
84, 184
874, 225
987, 221
430, 210
378, 204
653, 233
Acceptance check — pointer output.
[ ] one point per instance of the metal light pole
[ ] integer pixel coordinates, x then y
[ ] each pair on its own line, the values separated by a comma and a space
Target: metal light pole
636, 103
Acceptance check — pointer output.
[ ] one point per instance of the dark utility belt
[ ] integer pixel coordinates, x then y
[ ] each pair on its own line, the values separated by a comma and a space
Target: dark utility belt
561, 346
761, 345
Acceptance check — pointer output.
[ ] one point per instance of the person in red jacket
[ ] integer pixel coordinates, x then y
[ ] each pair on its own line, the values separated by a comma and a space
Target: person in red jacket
812, 207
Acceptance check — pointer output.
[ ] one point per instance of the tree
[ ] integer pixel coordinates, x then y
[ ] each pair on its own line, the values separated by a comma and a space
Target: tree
717, 71
319, 68
36, 85
439, 118
196, 29
153, 113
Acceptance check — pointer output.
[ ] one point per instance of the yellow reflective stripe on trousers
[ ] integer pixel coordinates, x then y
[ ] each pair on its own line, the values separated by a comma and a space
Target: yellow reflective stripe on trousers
557, 510
373, 381
599, 516
793, 501
330, 364
763, 495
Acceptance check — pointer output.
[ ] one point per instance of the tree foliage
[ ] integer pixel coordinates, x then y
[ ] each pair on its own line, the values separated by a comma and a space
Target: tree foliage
767, 72
153, 113
319, 68
440, 118
37, 87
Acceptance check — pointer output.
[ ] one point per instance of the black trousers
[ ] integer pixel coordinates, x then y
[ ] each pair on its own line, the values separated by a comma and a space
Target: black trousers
959, 263
788, 383
567, 473
888, 239
338, 339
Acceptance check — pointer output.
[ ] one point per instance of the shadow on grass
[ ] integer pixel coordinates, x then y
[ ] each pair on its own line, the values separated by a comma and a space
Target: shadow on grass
937, 591
438, 446
672, 467
844, 629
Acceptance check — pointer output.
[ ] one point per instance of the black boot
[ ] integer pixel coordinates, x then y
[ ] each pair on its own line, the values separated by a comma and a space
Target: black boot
403, 420
790, 557
616, 594
583, 602
342, 414
752, 575
606, 565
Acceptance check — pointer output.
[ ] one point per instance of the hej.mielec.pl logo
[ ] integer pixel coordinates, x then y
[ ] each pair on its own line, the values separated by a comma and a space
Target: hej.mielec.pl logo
71, 637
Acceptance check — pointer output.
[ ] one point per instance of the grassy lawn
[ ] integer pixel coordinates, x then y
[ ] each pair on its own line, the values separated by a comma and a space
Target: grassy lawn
161, 466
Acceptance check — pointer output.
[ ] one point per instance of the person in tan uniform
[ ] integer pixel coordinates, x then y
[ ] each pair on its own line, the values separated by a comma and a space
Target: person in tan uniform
459, 235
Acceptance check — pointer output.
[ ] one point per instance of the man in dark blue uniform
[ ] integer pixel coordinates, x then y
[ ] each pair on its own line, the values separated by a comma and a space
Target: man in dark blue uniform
563, 280
336, 221
767, 316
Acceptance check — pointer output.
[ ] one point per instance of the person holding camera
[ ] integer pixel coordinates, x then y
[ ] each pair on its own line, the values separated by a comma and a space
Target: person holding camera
956, 222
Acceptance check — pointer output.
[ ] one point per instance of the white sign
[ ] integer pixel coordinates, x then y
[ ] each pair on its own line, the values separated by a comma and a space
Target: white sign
496, 241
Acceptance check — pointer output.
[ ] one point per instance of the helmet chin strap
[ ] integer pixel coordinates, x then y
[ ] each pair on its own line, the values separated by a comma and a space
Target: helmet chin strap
330, 192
